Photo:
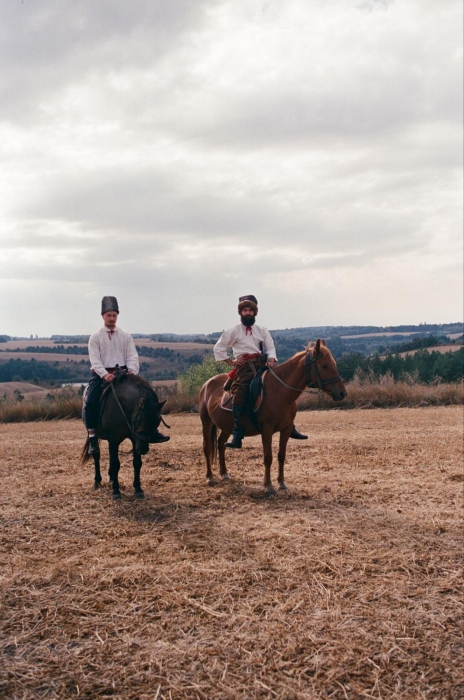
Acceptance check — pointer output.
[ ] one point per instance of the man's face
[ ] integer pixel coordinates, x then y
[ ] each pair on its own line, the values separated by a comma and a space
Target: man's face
248, 311
110, 318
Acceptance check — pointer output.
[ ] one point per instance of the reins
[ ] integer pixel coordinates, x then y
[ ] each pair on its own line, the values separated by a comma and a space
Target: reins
130, 428
318, 384
122, 410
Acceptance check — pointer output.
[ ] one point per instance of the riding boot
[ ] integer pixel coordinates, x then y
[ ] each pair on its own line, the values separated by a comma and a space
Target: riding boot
296, 435
156, 436
238, 433
93, 448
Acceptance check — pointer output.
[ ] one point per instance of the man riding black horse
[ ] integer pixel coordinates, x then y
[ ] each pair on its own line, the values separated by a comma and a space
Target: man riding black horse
109, 348
252, 347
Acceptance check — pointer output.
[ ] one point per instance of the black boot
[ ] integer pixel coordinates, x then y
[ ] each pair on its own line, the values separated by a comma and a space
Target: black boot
93, 448
296, 435
156, 436
237, 434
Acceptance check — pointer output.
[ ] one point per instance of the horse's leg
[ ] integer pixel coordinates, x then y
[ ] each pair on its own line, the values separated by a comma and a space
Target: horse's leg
208, 445
266, 438
114, 469
98, 477
283, 440
137, 462
223, 437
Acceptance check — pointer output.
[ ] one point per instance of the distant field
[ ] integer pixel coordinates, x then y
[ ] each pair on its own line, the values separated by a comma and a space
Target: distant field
388, 334
28, 390
143, 342
436, 348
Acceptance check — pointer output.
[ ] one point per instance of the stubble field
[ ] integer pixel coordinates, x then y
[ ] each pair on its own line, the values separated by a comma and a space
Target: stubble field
349, 586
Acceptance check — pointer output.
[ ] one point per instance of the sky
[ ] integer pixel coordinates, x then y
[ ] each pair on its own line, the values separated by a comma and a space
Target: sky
178, 155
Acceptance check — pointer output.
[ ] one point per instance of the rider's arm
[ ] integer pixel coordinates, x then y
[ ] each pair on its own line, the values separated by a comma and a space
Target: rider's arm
132, 358
220, 349
96, 363
269, 348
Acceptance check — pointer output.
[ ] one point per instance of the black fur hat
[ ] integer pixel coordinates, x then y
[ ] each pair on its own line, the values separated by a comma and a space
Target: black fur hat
250, 301
109, 304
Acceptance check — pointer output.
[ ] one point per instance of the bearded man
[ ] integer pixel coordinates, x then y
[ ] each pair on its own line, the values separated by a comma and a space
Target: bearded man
252, 347
109, 347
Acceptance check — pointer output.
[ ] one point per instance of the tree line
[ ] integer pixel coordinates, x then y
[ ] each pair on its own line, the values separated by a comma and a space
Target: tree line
425, 366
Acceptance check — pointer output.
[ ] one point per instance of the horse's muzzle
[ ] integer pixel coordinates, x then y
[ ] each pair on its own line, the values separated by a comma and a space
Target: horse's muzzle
338, 395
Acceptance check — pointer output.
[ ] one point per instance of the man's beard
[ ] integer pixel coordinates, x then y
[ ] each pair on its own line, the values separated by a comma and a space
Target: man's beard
248, 320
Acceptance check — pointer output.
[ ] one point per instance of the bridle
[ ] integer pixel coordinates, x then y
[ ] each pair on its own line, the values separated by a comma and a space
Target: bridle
131, 427
310, 361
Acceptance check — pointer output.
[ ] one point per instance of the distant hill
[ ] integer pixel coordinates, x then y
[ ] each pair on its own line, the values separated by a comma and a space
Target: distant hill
63, 358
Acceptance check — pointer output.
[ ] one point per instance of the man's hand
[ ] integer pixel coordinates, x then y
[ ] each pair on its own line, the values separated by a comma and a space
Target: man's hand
108, 377
271, 362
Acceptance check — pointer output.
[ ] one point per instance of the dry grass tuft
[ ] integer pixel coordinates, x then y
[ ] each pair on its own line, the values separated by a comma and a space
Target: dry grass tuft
388, 393
349, 586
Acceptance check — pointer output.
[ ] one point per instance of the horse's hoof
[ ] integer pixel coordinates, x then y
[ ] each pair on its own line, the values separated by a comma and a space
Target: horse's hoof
96, 487
283, 487
270, 492
211, 482
139, 494
225, 477
116, 496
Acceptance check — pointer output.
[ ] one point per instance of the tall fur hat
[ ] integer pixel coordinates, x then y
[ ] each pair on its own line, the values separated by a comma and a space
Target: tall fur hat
249, 301
109, 304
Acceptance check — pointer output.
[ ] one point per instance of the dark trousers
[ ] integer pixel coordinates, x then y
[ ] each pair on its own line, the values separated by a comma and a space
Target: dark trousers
242, 379
92, 405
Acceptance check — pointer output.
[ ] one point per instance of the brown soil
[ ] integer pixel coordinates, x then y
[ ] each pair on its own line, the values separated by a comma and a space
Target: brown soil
346, 587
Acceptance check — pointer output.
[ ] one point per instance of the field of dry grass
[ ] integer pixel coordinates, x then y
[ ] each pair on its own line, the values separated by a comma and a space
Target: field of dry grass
349, 586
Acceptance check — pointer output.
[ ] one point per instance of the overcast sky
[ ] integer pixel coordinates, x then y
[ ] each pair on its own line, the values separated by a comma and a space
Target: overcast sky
180, 153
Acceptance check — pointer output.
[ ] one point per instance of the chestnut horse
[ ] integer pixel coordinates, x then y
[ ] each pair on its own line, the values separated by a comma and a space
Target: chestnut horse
314, 367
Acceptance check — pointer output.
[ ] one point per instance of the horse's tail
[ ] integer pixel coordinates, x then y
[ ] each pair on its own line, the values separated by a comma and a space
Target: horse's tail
85, 452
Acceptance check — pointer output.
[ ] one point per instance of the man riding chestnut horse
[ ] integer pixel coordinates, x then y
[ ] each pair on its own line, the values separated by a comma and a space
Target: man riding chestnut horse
252, 348
109, 348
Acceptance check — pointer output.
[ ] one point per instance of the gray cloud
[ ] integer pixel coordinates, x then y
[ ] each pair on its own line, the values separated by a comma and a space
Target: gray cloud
180, 153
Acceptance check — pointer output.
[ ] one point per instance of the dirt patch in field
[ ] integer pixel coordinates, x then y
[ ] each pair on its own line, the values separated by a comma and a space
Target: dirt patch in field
348, 586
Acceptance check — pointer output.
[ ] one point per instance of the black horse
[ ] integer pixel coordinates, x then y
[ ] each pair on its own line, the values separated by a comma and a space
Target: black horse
131, 410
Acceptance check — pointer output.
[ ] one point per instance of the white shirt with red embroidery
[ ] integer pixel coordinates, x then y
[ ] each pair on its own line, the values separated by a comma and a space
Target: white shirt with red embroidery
244, 342
110, 348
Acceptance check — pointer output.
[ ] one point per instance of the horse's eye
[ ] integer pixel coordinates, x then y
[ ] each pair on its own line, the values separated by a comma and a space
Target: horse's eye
325, 366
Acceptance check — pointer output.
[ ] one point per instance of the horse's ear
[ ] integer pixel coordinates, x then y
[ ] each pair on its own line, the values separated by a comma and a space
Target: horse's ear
317, 347
141, 403
161, 404
323, 343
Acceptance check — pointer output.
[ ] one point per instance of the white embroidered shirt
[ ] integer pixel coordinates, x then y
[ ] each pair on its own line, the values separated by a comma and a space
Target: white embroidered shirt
111, 348
243, 343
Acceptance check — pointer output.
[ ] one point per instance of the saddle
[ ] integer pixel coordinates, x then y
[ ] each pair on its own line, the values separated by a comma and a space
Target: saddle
103, 399
255, 395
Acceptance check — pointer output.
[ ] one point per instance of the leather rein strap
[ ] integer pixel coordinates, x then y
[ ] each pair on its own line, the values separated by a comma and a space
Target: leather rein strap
131, 430
122, 410
318, 384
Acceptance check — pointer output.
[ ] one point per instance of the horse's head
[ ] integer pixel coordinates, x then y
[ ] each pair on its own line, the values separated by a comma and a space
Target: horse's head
321, 371
145, 420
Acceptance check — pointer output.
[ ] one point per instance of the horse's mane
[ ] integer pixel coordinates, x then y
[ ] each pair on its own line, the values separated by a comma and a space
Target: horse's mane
310, 346
139, 381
